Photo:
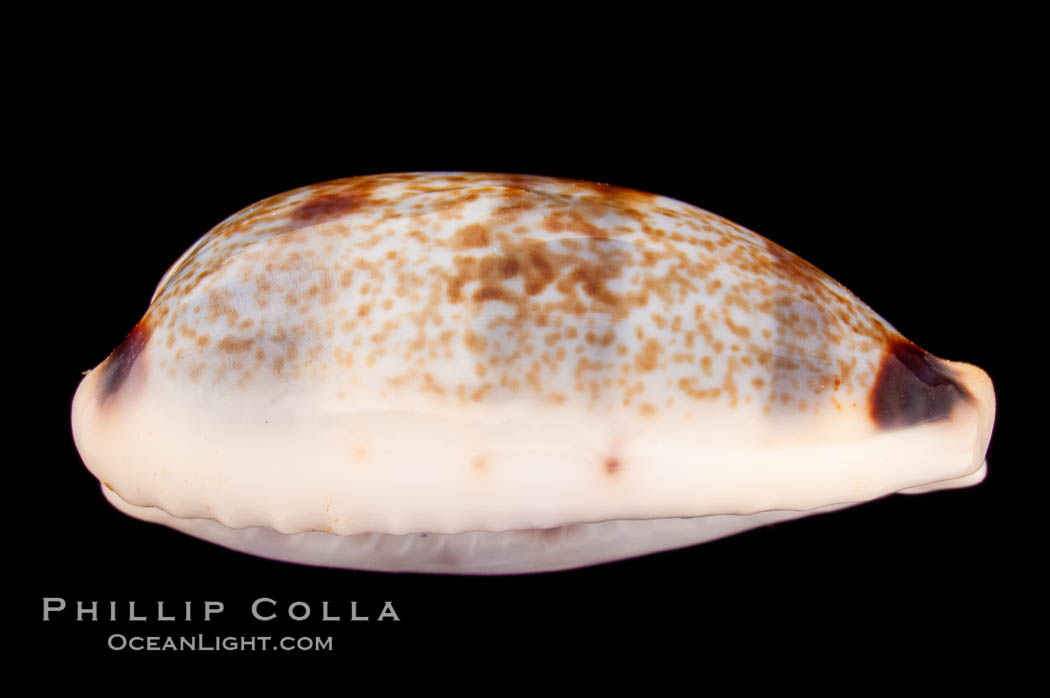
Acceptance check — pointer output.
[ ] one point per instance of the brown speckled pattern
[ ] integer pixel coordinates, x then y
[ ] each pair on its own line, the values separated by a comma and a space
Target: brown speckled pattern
485, 287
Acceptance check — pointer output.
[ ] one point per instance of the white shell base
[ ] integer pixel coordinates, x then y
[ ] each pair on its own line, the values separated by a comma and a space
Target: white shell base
472, 552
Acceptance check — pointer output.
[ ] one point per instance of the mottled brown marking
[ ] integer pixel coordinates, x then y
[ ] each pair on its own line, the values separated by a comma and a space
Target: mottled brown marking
475, 342
648, 358
431, 385
219, 306
571, 221
473, 235
612, 465
686, 385
490, 293
325, 208
231, 345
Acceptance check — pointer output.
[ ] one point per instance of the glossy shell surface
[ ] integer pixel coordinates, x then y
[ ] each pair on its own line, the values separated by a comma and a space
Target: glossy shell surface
483, 373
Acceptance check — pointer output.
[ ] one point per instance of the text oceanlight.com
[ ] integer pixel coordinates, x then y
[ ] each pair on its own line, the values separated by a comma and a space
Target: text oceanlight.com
217, 643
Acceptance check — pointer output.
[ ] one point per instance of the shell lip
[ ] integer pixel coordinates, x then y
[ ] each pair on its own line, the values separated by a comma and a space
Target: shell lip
157, 514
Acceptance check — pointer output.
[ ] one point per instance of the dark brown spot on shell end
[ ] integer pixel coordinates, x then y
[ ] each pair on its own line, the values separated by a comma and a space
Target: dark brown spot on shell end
117, 367
913, 387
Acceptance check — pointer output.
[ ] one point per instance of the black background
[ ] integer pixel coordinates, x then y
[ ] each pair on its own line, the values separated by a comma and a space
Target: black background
898, 183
